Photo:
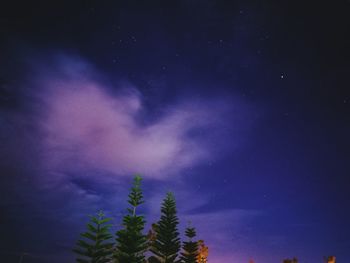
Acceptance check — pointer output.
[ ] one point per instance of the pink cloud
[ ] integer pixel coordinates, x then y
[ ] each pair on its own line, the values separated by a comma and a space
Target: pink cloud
87, 125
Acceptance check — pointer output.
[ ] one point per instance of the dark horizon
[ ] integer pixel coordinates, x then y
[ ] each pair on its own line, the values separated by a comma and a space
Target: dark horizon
241, 109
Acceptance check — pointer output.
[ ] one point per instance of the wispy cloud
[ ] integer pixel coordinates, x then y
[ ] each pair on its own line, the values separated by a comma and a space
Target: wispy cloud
86, 124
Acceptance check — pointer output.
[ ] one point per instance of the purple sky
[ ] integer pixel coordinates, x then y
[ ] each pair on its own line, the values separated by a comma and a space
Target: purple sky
241, 109
86, 130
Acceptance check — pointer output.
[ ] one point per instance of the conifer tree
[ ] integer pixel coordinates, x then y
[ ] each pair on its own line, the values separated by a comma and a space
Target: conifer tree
166, 244
95, 247
131, 242
190, 248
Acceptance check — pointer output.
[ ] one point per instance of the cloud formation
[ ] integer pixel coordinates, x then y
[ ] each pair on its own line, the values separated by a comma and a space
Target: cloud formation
87, 124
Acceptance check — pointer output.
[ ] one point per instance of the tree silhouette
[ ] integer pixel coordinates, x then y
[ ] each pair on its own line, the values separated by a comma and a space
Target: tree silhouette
94, 247
190, 247
166, 244
162, 242
131, 242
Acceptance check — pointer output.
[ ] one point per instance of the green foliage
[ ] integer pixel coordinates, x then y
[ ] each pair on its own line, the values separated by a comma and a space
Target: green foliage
94, 247
166, 244
190, 247
163, 240
135, 195
131, 242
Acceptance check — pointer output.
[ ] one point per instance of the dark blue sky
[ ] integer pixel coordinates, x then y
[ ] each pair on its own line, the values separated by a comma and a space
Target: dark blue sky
242, 109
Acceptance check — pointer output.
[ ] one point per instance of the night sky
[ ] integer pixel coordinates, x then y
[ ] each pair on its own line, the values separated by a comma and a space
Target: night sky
241, 108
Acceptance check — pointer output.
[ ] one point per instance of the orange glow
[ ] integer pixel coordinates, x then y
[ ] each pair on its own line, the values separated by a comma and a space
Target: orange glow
203, 252
331, 259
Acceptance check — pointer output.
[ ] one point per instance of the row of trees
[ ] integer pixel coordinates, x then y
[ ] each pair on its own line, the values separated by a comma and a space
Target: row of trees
131, 245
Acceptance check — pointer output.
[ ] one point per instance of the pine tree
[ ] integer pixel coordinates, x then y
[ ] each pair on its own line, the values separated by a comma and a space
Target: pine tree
131, 242
166, 245
95, 247
190, 247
